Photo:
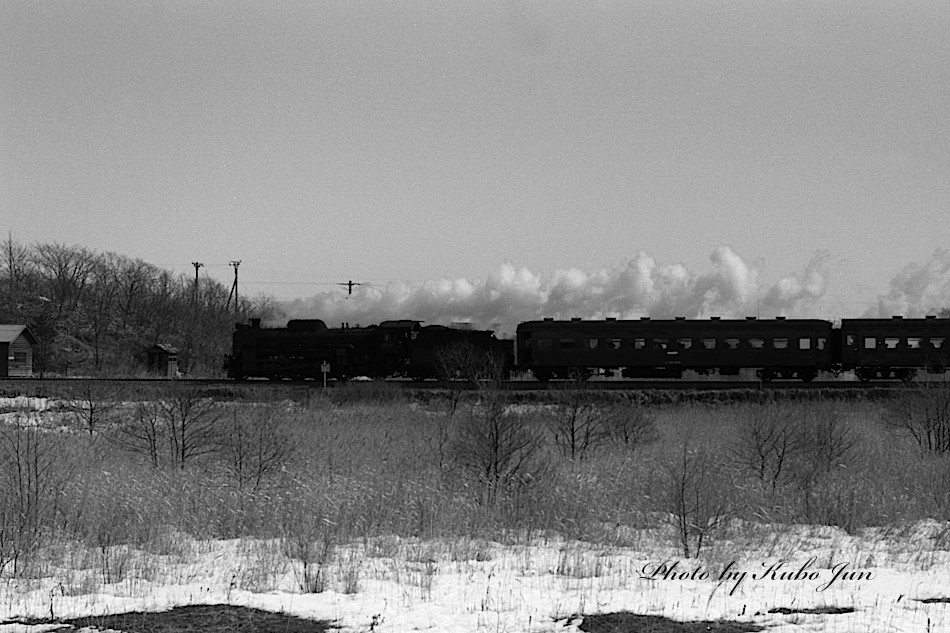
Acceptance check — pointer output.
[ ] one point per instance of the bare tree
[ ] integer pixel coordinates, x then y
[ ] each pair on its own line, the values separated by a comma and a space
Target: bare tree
496, 450
694, 497
34, 472
92, 404
923, 412
463, 360
143, 433
255, 444
577, 423
769, 438
16, 264
177, 429
191, 421
67, 270
829, 442
581, 421
630, 424
134, 279
99, 307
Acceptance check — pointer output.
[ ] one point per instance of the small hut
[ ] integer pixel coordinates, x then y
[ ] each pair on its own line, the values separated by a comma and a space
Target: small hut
162, 359
16, 351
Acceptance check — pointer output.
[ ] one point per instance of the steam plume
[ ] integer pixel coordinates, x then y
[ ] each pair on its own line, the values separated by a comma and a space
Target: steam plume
640, 287
918, 289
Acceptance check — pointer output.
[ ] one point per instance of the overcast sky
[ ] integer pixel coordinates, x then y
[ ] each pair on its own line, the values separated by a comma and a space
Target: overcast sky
407, 141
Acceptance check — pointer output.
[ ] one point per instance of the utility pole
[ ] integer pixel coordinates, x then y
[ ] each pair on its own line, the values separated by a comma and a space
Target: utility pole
197, 265
349, 286
234, 288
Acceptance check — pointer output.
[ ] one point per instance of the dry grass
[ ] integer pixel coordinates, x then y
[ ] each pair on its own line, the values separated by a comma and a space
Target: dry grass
364, 481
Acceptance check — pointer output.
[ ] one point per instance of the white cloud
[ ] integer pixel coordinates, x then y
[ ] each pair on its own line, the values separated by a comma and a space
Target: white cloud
639, 287
918, 289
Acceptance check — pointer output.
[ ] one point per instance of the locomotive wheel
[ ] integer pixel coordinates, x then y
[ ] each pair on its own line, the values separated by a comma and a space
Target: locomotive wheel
906, 374
542, 375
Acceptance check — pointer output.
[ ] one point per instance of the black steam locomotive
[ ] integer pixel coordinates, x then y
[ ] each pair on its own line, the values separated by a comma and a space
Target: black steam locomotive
775, 348
895, 348
307, 348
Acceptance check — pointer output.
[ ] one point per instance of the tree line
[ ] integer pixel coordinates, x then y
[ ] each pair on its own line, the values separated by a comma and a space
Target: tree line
96, 313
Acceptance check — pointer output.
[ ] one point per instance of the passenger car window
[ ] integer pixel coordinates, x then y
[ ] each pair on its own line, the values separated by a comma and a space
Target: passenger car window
709, 343
685, 343
592, 343
732, 343
780, 343
543, 343
568, 343
913, 342
615, 343
639, 343
822, 341
891, 342
757, 343
936, 342
870, 342
804, 343
660, 343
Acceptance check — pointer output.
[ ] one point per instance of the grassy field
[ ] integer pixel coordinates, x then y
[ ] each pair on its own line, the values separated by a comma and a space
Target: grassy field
103, 491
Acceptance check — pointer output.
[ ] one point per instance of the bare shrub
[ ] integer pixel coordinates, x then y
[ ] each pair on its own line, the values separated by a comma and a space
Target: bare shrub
769, 439
35, 470
694, 496
829, 441
143, 432
581, 422
496, 450
828, 445
463, 360
174, 430
310, 539
923, 412
630, 424
577, 423
782, 443
255, 444
92, 404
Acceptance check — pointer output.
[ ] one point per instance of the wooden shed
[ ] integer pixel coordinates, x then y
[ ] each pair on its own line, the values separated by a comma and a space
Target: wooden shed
16, 351
163, 360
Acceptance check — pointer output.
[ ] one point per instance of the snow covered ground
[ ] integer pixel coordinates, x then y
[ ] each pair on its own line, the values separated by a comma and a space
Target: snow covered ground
895, 579
400, 585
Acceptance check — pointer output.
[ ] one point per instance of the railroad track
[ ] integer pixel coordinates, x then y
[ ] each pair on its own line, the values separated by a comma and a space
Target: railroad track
31, 384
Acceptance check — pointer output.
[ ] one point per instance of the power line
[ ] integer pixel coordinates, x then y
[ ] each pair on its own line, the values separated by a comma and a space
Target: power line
197, 265
349, 286
234, 288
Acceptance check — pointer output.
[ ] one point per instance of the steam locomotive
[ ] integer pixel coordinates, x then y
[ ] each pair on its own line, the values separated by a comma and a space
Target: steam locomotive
895, 348
307, 348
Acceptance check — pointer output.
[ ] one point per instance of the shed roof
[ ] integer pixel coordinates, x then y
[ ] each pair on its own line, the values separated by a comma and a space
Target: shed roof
163, 347
9, 333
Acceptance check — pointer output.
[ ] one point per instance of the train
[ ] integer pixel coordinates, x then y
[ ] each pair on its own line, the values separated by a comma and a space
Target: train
779, 348
308, 349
